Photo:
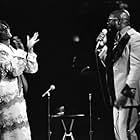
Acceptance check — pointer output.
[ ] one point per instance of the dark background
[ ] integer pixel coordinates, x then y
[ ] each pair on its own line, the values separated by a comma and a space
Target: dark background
58, 23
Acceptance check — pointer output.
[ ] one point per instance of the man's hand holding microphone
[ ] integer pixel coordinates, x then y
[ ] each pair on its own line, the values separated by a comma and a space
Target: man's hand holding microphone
101, 47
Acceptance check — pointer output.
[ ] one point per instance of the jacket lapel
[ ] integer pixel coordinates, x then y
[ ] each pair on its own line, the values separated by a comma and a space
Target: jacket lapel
118, 50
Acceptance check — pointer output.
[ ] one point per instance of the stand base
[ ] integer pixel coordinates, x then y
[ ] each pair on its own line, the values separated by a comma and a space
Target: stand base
68, 135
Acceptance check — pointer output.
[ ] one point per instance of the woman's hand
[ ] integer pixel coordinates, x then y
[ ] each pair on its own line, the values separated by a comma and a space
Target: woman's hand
32, 41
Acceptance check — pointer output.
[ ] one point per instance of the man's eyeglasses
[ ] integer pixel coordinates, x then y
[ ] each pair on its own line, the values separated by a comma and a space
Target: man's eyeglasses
112, 19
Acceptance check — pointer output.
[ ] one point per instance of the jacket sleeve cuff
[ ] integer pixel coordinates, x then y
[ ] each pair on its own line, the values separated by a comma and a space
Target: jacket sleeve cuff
31, 57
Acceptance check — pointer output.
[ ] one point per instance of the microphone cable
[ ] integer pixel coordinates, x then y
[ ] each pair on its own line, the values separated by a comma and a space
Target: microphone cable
99, 78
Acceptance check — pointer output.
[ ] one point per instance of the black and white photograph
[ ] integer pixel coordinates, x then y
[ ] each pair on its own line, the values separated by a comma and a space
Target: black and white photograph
69, 70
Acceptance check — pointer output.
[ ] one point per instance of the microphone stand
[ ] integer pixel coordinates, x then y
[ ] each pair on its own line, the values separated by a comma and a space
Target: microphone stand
52, 87
49, 118
49, 114
90, 116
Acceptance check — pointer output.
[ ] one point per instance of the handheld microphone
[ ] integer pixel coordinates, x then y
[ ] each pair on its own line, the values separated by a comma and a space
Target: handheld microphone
52, 87
101, 37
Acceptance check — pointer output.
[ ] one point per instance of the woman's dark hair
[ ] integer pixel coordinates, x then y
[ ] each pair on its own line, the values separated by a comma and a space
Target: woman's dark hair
4, 35
3, 25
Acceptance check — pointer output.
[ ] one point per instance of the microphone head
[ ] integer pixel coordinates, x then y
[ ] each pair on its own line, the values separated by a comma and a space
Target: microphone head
90, 95
104, 31
52, 87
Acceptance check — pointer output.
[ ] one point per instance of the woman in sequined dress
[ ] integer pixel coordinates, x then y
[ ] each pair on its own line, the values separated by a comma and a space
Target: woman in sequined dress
14, 123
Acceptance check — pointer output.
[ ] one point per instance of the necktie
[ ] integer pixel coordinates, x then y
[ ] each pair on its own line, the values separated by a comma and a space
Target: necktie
118, 36
117, 39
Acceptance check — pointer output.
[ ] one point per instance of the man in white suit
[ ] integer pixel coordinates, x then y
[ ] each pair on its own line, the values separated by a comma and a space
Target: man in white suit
125, 60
